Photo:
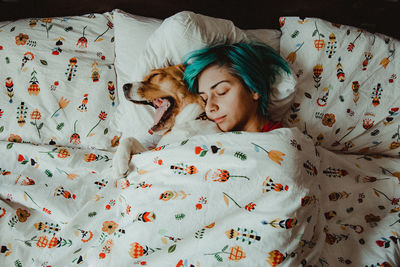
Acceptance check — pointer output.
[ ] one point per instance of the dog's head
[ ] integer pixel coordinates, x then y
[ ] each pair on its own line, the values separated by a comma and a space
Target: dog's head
165, 90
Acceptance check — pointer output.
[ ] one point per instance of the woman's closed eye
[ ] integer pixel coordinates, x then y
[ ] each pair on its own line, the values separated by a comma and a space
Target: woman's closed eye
222, 91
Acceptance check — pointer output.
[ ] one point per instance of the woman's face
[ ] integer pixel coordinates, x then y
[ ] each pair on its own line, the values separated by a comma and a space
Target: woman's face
228, 103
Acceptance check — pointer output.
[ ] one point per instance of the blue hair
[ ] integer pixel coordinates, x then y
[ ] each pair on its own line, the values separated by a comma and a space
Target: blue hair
257, 65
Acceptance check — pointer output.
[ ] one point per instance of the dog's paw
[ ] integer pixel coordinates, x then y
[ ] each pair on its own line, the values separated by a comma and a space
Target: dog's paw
122, 157
120, 161
120, 165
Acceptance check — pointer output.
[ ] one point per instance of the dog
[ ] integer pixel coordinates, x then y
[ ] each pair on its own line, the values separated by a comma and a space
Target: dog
179, 113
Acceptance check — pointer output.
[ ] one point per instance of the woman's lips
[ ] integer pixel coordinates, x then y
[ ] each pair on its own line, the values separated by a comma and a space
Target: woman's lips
219, 119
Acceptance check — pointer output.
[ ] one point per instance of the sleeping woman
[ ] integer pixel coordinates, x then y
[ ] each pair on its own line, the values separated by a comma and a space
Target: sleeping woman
234, 80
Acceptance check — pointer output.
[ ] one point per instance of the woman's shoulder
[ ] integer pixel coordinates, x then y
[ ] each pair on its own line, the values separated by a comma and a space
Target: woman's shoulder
271, 125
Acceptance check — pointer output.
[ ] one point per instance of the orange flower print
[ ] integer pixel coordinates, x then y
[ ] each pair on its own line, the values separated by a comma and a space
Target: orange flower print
90, 157
21, 39
53, 242
82, 41
63, 153
394, 145
42, 241
115, 141
317, 70
224, 175
109, 227
292, 55
62, 103
75, 139
93, 157
236, 253
48, 27
102, 117
328, 119
2, 212
33, 88
275, 258
385, 62
46, 20
36, 115
275, 155
137, 251
22, 215
15, 138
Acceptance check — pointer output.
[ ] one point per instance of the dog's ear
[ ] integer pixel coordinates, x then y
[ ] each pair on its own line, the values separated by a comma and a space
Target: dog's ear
169, 63
181, 67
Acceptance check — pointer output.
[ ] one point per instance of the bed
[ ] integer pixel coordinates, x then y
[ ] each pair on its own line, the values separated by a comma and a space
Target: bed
323, 191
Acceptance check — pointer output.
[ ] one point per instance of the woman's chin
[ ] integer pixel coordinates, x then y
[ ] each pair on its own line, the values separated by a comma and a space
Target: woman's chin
223, 127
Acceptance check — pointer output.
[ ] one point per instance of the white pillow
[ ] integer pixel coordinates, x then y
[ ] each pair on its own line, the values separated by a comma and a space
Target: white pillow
347, 95
131, 34
58, 81
168, 44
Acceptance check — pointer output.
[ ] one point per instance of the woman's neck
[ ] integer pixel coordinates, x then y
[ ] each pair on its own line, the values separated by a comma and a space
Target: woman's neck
256, 125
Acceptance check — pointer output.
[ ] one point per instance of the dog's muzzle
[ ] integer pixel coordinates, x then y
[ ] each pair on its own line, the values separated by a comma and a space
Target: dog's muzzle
127, 90
130, 92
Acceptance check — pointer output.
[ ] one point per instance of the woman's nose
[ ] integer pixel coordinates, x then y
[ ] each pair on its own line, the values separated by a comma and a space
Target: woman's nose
212, 105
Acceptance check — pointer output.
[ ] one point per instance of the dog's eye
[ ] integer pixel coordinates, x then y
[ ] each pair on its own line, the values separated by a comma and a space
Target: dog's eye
152, 76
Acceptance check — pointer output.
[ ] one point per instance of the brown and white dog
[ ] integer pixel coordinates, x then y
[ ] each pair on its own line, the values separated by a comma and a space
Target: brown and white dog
178, 113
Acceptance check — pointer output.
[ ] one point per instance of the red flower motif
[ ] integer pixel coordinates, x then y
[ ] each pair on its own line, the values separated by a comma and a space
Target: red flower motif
102, 115
251, 206
350, 47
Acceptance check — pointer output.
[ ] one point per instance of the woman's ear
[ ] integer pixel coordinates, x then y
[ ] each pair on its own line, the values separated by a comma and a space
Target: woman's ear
255, 95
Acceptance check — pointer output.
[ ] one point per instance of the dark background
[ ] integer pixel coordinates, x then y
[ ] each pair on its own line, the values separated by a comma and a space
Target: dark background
373, 15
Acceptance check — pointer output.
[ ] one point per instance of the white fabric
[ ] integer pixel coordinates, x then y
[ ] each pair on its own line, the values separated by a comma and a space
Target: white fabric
328, 60
61, 78
345, 205
167, 43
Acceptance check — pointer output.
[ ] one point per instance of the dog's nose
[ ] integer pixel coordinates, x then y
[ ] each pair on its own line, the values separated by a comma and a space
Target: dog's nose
127, 89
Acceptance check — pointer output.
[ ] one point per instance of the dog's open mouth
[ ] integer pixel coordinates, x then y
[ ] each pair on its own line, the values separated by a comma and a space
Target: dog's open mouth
163, 108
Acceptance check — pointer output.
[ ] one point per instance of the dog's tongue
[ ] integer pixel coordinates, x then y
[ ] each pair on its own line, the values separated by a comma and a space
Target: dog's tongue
161, 106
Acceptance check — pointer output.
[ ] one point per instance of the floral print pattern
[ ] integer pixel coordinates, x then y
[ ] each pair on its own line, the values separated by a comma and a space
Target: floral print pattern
46, 66
344, 82
248, 199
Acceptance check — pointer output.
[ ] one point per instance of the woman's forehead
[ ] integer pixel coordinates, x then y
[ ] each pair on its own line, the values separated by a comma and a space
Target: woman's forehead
214, 75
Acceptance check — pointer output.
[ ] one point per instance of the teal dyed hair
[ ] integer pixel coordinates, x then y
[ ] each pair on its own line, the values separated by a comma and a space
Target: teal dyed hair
256, 65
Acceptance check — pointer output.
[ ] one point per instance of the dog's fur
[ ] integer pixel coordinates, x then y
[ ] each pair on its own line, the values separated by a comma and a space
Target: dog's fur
165, 90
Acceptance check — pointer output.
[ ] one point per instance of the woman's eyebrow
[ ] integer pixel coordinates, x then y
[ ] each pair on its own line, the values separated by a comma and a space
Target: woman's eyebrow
215, 85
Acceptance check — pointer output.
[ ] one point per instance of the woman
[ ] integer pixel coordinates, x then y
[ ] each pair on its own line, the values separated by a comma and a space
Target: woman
234, 81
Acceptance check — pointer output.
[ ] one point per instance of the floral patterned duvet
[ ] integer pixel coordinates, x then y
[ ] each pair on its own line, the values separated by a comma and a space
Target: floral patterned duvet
233, 199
